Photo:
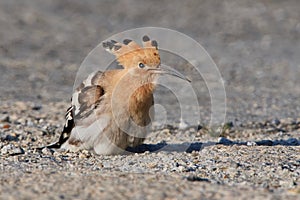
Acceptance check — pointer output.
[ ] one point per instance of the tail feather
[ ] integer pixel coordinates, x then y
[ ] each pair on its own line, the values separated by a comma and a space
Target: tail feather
65, 135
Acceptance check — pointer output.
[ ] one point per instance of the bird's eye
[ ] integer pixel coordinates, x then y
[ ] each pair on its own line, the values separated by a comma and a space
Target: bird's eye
141, 65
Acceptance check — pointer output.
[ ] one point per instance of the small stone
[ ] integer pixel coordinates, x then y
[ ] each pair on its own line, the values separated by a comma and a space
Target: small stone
100, 165
81, 156
6, 149
146, 152
180, 168
166, 131
9, 137
84, 154
47, 151
6, 126
195, 153
37, 107
56, 154
251, 143
12, 150
196, 178
17, 151
152, 165
286, 183
199, 127
275, 122
29, 122
4, 118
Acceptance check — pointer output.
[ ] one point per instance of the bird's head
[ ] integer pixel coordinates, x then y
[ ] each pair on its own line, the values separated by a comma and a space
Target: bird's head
142, 62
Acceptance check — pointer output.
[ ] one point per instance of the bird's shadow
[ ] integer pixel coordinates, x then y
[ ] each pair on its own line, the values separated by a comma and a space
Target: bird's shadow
198, 146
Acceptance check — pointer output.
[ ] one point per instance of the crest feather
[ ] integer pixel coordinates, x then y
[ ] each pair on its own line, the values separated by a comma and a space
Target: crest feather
129, 50
147, 43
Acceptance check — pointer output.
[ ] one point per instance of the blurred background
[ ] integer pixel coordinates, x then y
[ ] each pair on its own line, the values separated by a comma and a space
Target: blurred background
255, 44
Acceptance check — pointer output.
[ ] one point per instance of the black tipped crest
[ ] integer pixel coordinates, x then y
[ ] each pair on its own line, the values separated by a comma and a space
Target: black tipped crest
154, 43
121, 49
113, 46
117, 47
127, 41
148, 43
146, 38
108, 45
105, 45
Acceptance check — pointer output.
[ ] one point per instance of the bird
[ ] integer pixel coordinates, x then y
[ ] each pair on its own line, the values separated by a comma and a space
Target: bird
112, 110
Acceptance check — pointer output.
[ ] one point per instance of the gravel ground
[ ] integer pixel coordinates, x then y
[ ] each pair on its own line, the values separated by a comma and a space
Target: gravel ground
256, 46
173, 164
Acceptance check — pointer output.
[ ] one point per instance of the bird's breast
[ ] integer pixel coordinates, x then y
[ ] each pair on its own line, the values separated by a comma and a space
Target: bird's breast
140, 103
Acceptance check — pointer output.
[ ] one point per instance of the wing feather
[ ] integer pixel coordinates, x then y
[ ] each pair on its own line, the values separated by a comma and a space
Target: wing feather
84, 100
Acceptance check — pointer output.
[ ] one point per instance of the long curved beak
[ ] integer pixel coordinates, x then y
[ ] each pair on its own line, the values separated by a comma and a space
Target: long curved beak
164, 69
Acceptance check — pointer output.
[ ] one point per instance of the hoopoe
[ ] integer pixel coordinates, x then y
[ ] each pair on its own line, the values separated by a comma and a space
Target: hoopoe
110, 110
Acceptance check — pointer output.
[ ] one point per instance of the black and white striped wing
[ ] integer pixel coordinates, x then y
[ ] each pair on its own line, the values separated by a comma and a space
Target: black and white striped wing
85, 100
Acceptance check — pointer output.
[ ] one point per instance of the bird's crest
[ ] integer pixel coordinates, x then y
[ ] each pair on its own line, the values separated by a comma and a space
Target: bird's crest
129, 52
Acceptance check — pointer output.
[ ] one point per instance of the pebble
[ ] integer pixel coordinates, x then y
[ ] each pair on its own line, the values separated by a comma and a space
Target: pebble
37, 107
152, 165
251, 143
237, 161
47, 151
6, 126
4, 118
8, 137
84, 154
180, 168
196, 178
275, 122
10, 149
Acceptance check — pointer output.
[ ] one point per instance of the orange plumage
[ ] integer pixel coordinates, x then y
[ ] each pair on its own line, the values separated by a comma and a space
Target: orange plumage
110, 110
